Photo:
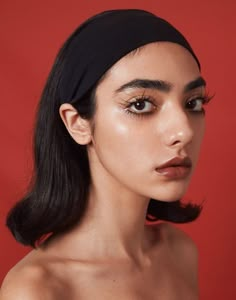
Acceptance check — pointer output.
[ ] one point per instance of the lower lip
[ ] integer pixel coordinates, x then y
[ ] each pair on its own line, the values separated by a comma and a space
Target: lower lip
177, 172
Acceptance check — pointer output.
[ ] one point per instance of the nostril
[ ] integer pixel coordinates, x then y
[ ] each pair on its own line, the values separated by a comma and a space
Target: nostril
175, 142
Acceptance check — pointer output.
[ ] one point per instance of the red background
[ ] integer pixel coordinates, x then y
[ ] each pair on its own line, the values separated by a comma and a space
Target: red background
31, 33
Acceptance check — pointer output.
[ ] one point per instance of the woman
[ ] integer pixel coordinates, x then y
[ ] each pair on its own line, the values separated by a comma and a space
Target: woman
120, 122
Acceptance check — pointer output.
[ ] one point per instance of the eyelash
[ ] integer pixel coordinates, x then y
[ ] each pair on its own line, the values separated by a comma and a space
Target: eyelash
141, 99
204, 100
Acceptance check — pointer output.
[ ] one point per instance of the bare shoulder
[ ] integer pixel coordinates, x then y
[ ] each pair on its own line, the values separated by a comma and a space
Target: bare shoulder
179, 241
183, 251
29, 280
24, 283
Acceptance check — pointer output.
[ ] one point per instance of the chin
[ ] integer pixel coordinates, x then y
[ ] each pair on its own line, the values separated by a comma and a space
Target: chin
169, 194
168, 199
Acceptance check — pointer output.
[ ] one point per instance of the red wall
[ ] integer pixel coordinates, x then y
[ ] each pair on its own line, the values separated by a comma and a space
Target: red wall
31, 33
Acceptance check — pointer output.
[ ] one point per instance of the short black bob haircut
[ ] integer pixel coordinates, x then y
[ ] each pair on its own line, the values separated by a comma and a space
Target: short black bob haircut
57, 196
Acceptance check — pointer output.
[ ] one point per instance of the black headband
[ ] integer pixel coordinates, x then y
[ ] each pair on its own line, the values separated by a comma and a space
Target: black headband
105, 38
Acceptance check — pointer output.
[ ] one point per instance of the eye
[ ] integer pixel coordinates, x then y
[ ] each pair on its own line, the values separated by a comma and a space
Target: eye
141, 106
196, 105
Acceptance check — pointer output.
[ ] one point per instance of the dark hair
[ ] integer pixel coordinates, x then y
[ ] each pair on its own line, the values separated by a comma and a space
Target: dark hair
57, 197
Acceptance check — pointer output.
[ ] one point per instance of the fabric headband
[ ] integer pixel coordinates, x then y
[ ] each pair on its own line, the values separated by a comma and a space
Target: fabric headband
104, 39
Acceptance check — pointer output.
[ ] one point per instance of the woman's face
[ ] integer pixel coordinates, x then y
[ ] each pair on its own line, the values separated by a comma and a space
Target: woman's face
149, 111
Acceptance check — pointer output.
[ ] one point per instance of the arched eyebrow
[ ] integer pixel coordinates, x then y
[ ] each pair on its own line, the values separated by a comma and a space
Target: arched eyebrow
160, 85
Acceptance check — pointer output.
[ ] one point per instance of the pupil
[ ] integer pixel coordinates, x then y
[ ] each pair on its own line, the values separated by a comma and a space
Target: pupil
191, 104
139, 105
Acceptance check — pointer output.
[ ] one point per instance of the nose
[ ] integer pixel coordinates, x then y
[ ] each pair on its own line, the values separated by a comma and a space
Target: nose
177, 128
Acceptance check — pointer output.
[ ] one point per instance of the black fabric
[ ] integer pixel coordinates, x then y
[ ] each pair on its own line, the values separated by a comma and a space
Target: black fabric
105, 38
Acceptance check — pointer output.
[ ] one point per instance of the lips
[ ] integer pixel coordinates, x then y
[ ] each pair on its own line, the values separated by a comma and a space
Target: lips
175, 168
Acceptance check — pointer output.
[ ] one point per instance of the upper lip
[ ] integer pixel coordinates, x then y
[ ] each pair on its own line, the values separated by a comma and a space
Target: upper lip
177, 161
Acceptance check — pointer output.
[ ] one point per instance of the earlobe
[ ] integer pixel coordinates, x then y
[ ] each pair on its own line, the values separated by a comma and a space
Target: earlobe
78, 127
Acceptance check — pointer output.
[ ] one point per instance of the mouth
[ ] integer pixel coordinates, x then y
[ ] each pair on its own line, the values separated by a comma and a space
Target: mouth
175, 168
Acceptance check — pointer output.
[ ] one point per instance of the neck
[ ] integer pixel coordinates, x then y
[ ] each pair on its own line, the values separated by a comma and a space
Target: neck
113, 225
115, 222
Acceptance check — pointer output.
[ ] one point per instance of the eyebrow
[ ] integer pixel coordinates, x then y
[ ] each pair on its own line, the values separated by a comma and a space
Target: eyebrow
160, 85
199, 82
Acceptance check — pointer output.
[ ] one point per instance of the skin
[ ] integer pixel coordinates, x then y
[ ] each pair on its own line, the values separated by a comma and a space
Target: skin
113, 254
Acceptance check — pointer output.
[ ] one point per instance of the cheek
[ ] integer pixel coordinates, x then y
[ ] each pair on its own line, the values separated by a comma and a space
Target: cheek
121, 141
115, 137
199, 131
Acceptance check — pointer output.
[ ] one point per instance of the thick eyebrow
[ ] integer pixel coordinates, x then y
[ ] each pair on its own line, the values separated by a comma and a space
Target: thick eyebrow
161, 85
196, 83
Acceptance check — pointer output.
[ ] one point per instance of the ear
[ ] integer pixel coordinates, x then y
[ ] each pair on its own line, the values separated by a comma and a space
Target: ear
78, 128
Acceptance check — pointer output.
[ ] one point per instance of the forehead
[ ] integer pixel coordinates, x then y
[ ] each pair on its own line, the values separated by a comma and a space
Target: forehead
156, 61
